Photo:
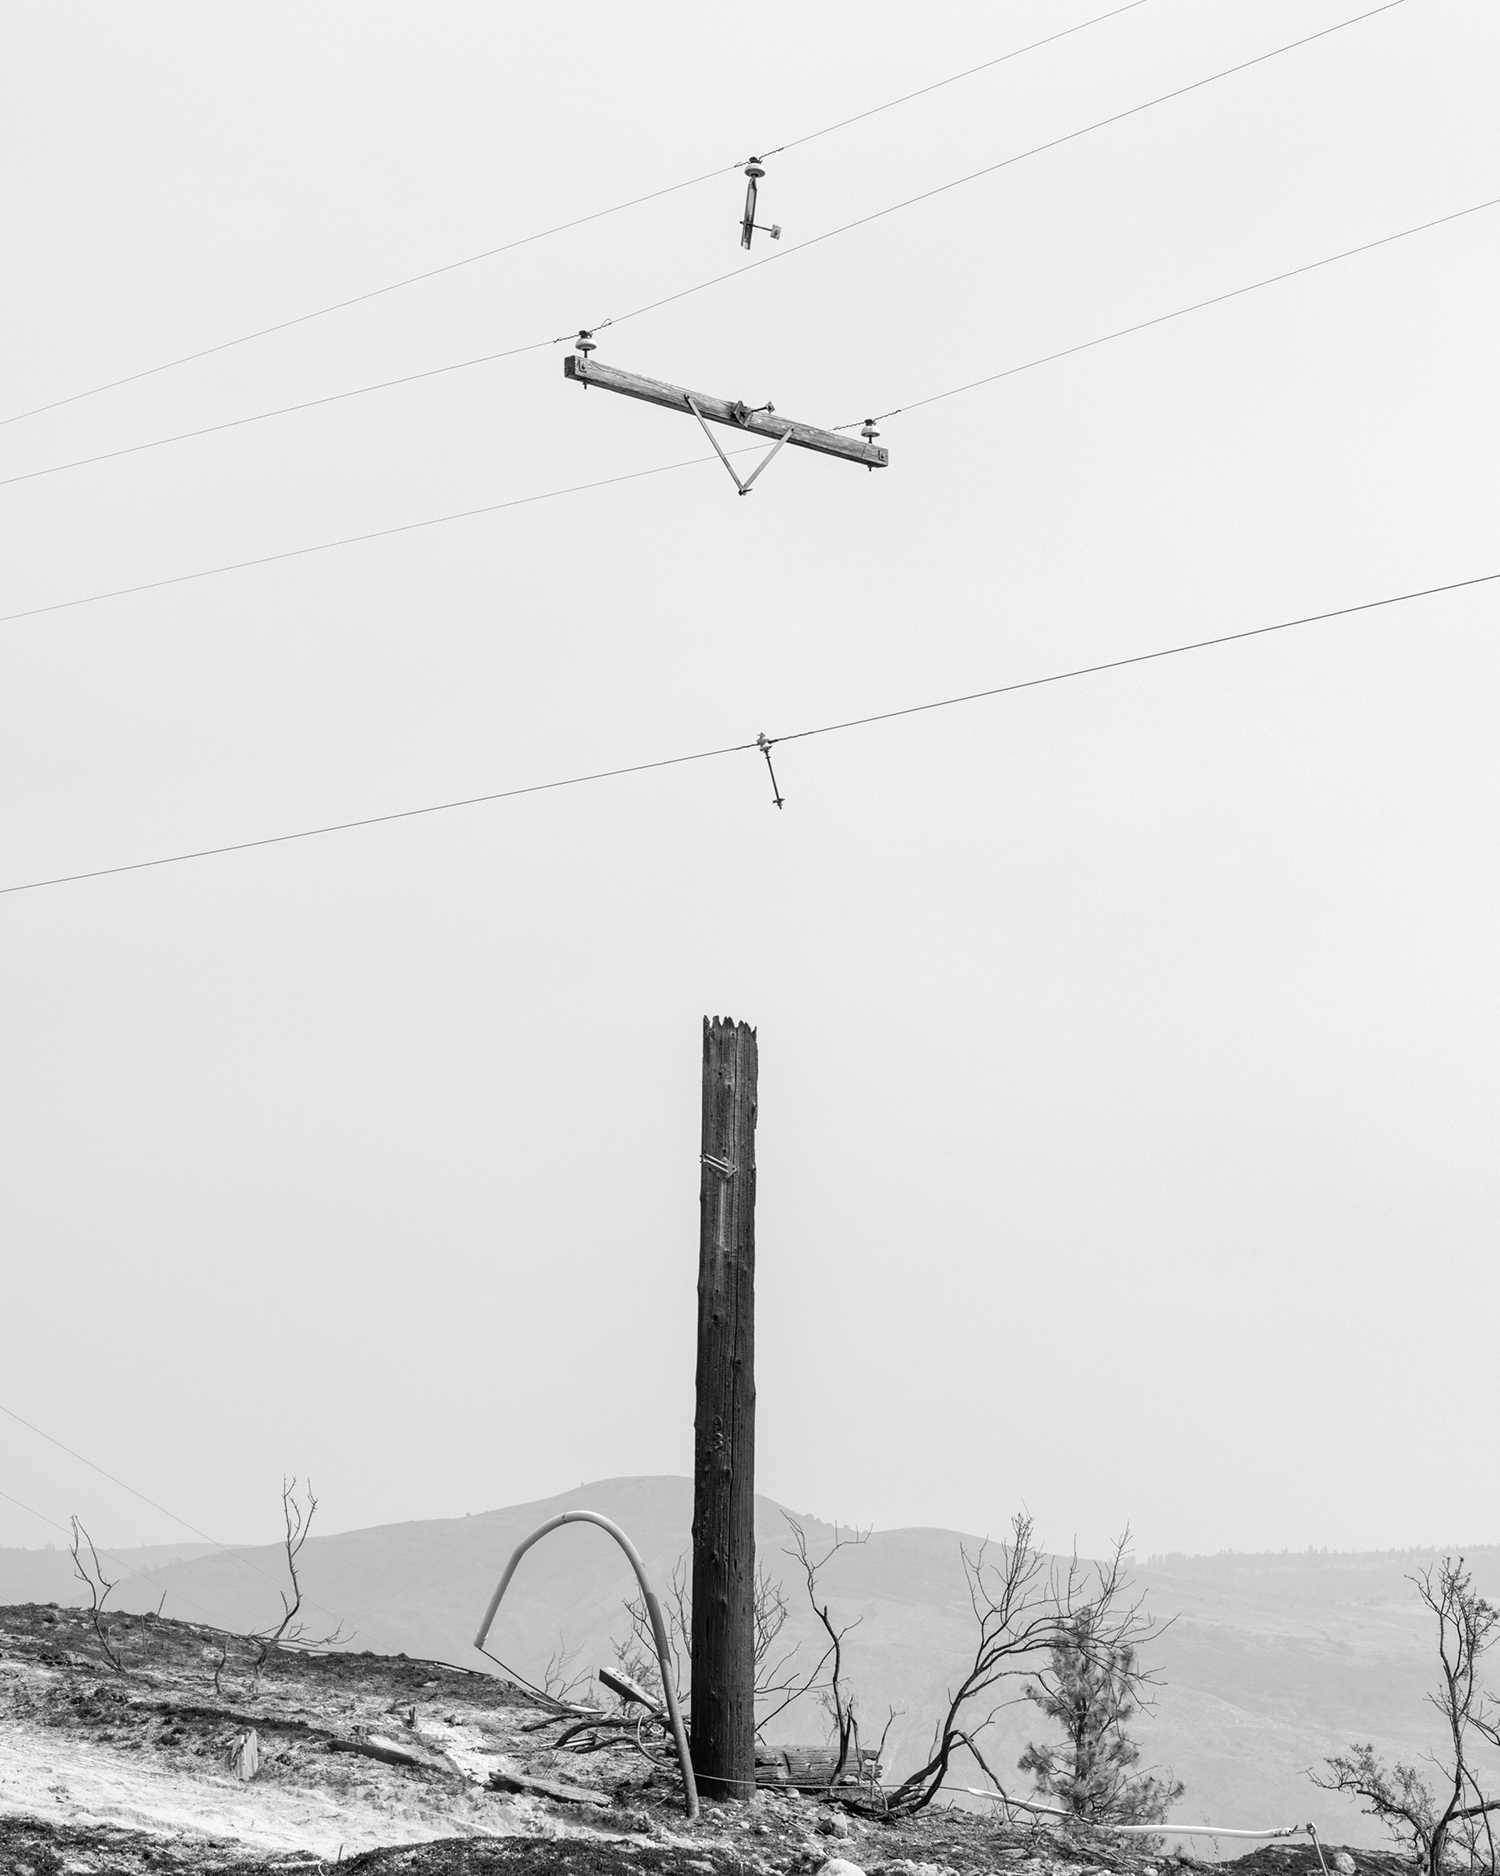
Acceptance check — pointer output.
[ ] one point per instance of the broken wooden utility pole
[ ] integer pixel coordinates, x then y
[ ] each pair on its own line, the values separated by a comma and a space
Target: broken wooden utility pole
723, 1725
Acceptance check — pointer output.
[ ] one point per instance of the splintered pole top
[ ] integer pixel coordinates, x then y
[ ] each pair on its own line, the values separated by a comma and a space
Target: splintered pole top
730, 411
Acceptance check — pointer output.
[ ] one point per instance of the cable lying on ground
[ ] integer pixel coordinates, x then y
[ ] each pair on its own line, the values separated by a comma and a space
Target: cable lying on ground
1151, 1830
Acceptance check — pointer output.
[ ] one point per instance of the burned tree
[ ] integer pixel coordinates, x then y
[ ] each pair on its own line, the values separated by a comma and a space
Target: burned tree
842, 1706
1092, 1689
636, 1654
296, 1520
1025, 1606
92, 1576
1452, 1826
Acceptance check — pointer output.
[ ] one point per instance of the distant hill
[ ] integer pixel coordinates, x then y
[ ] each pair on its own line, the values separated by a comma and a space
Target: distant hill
1272, 1662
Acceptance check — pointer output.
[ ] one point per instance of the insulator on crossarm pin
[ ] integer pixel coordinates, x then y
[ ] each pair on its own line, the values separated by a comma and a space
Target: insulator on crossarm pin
585, 343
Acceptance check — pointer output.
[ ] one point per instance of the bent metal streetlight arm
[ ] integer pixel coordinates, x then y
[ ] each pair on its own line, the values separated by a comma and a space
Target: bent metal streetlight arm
653, 1610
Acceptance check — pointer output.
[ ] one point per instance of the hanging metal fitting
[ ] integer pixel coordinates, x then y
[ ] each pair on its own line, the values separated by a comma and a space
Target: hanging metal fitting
748, 223
765, 744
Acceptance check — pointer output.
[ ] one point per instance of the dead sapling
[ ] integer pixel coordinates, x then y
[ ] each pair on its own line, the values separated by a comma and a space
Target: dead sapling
559, 1681
1452, 1826
840, 1704
92, 1576
639, 1706
221, 1663
291, 1631
1025, 1606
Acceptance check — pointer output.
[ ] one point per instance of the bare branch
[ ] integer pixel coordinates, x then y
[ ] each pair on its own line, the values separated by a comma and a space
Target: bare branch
98, 1585
1024, 1608
290, 1631
1458, 1814
839, 1703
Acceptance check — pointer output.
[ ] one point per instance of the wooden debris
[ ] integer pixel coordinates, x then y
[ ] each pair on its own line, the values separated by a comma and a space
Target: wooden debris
247, 1756
503, 1778
811, 1768
394, 1752
626, 1688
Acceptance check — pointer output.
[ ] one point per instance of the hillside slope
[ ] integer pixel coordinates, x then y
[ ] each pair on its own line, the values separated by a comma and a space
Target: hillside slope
1271, 1663
164, 1748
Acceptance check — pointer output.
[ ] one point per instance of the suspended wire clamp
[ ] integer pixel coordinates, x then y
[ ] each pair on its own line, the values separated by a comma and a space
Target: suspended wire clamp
765, 744
748, 224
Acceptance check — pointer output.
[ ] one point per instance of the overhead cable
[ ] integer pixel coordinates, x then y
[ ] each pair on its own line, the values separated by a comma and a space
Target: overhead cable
282, 410
489, 508
924, 90
1140, 657
356, 540
238, 1555
108, 1555
759, 744
470, 260
1161, 319
990, 169
734, 273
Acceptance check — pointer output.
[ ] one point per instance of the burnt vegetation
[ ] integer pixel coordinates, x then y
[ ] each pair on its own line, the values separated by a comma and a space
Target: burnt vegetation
1444, 1815
1064, 1634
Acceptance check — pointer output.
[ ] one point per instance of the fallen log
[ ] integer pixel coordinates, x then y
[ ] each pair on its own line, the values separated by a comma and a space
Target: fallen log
502, 1779
392, 1752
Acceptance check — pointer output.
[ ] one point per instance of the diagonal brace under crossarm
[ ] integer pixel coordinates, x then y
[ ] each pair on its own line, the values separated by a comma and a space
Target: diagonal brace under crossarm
743, 487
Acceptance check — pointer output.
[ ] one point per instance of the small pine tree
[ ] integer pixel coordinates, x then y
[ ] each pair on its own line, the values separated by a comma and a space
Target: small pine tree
1092, 1692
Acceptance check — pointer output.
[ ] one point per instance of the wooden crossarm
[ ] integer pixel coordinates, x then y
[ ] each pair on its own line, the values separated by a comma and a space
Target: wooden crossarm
772, 428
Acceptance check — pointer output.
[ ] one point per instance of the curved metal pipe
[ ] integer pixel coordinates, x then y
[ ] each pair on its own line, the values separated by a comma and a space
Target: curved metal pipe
653, 1610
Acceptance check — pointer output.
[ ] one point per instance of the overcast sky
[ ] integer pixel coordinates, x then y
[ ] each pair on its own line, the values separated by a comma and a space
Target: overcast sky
1128, 1047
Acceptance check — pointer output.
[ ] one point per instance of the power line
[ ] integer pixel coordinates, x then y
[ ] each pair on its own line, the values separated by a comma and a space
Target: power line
734, 273
1161, 319
238, 1556
943, 188
757, 745
377, 820
1140, 657
355, 540
282, 410
469, 514
654, 195
923, 91
108, 1555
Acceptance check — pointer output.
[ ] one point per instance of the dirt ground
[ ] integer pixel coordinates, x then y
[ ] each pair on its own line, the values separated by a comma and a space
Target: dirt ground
202, 1753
